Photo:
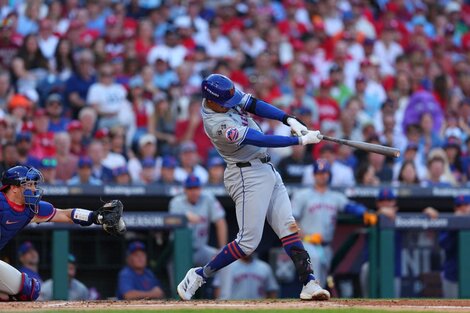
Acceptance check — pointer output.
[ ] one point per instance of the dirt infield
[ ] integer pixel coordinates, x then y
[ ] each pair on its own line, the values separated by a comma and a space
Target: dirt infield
430, 305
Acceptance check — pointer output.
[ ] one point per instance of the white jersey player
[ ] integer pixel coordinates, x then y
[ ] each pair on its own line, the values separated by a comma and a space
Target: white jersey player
316, 210
201, 209
251, 181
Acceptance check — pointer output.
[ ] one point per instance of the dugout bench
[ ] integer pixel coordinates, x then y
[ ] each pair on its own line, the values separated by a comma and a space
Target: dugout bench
382, 258
182, 243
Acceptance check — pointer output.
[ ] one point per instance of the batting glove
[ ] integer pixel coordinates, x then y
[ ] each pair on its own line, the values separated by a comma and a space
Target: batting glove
297, 127
310, 138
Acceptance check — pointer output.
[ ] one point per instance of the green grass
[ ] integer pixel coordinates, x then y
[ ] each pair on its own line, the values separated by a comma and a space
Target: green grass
314, 310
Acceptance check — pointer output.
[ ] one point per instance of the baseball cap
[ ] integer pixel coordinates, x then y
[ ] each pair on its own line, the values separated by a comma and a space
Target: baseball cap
84, 162
386, 193
146, 139
19, 101
71, 258
192, 182
461, 200
412, 146
188, 146
321, 166
111, 20
23, 136
136, 82
121, 170
54, 97
25, 247
135, 246
168, 162
102, 133
40, 112
74, 125
215, 161
148, 162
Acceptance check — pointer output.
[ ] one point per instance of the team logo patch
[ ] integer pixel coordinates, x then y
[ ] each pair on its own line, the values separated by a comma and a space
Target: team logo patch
232, 134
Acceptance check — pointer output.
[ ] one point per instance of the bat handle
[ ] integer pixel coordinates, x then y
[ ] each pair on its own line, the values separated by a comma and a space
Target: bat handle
319, 136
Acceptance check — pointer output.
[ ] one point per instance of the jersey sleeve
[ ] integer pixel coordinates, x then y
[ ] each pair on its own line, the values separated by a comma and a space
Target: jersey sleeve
46, 211
174, 208
342, 201
226, 130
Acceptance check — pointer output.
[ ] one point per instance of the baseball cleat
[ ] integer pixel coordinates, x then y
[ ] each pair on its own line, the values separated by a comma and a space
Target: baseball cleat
190, 284
313, 291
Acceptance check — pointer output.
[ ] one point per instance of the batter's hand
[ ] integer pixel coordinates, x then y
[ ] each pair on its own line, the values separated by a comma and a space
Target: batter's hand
297, 127
311, 137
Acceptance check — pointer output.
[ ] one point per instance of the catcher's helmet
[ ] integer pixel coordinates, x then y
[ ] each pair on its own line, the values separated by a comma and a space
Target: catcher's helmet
21, 175
221, 90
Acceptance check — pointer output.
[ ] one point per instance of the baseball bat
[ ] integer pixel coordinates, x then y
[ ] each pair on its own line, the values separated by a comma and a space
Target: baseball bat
369, 147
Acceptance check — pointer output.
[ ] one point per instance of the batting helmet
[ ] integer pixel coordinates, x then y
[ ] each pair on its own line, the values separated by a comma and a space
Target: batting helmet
21, 175
321, 166
221, 90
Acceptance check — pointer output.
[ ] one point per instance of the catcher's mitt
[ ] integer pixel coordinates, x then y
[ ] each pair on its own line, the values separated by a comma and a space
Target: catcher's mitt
110, 216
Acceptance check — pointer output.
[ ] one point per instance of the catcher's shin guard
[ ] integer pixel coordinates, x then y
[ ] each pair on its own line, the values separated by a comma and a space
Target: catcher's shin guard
302, 263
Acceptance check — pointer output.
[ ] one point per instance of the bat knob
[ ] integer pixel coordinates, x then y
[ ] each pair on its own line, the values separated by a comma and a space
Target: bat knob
320, 136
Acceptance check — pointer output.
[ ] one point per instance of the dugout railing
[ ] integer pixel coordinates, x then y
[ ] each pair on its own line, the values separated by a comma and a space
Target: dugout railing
382, 240
135, 221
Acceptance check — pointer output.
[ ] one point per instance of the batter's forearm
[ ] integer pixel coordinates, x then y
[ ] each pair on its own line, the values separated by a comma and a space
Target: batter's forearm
256, 138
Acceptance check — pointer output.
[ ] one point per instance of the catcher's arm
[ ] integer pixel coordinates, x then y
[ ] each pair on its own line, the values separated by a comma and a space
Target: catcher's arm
109, 216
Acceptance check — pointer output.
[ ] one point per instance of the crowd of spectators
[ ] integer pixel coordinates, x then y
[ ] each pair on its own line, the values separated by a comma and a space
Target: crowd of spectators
104, 91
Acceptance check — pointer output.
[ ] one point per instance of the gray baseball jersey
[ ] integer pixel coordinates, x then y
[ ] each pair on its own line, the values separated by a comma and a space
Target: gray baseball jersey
207, 207
241, 280
257, 190
316, 212
228, 130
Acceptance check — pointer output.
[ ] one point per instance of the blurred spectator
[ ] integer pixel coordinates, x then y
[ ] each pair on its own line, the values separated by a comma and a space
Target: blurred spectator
109, 100
408, 174
111, 159
215, 168
387, 49
117, 141
165, 124
448, 240
201, 208
143, 108
55, 111
366, 175
247, 278
189, 163
315, 209
47, 40
453, 152
83, 176
87, 118
10, 42
121, 176
438, 171
76, 289
410, 155
339, 90
429, 138
293, 167
96, 154
32, 55
6, 90
341, 175
171, 51
10, 156
23, 146
29, 260
147, 151
136, 280
48, 168
192, 129
43, 139
167, 175
76, 87
328, 108
66, 161
62, 63
75, 130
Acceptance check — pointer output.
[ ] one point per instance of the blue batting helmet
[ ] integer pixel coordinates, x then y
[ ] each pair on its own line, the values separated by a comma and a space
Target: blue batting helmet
221, 90
21, 175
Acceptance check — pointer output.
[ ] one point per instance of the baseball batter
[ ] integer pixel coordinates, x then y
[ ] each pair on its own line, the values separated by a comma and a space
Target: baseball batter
251, 181
201, 208
20, 204
316, 209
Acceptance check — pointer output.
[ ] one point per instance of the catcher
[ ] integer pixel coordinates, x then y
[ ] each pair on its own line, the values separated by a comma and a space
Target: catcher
20, 204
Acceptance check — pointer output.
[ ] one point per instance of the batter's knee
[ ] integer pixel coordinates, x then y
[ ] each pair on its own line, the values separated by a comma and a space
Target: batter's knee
248, 247
30, 288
